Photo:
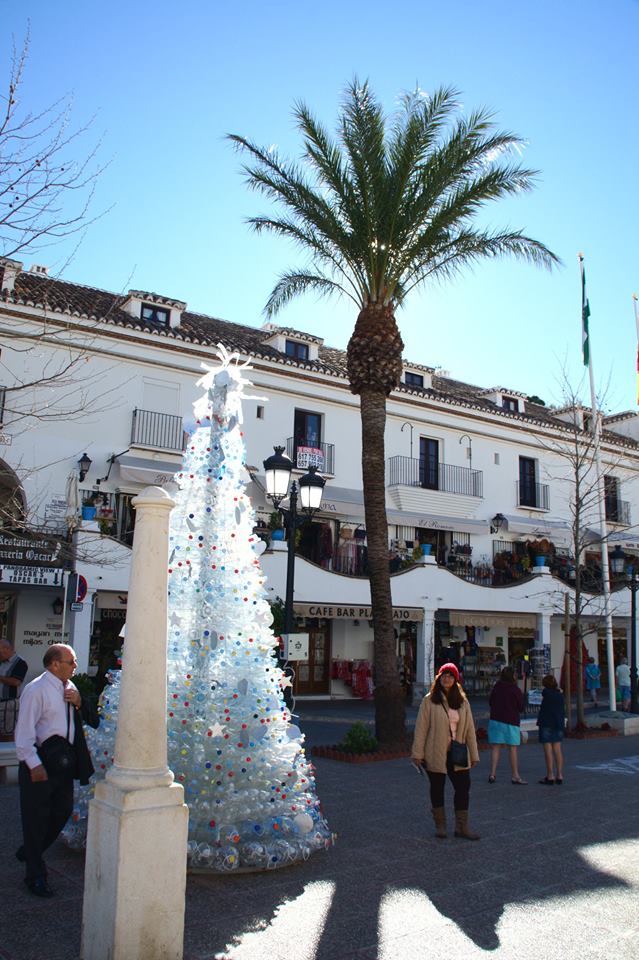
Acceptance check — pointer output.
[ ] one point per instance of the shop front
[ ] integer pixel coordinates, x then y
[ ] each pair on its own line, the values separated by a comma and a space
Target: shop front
32, 570
106, 642
340, 650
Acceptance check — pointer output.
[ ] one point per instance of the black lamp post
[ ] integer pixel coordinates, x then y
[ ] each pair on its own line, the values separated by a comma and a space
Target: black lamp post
633, 586
84, 463
278, 468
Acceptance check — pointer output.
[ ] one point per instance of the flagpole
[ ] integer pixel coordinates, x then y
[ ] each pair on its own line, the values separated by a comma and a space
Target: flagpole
634, 303
595, 427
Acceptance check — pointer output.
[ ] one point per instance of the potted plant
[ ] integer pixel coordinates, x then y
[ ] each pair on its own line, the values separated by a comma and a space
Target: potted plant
89, 508
275, 525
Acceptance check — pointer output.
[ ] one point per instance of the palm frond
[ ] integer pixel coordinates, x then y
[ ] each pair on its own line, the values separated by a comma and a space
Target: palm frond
291, 285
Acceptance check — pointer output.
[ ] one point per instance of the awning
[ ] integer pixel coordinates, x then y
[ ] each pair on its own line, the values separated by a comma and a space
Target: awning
539, 527
142, 470
625, 540
430, 522
471, 618
111, 600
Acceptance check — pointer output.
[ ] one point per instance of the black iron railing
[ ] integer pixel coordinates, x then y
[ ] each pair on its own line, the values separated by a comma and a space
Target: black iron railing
307, 453
161, 431
3, 394
618, 511
409, 472
535, 495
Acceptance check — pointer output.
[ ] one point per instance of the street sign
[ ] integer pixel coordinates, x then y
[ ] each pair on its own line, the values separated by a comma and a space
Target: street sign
76, 607
81, 591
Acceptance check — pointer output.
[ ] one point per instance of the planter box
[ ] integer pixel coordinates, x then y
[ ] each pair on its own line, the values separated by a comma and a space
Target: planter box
332, 753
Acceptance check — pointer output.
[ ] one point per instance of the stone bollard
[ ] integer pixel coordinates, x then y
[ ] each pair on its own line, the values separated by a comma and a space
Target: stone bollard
135, 875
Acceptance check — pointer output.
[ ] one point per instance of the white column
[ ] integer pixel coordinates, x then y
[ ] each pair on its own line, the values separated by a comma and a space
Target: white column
543, 632
425, 665
135, 874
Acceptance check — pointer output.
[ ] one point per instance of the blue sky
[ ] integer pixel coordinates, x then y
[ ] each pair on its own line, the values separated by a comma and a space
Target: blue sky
168, 81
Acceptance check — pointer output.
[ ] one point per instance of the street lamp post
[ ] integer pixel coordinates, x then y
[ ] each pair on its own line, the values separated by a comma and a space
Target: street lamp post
278, 468
633, 586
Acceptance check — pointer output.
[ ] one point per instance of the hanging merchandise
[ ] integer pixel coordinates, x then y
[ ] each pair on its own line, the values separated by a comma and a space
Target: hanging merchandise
231, 743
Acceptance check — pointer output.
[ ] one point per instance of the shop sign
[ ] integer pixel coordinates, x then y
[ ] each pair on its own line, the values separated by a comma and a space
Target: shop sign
31, 551
32, 576
353, 612
296, 646
55, 510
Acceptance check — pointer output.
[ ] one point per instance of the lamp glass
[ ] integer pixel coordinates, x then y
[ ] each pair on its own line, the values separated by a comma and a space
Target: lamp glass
277, 469
277, 483
617, 560
311, 489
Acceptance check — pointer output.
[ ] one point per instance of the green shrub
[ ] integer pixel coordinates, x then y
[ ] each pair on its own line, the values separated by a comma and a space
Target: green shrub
358, 740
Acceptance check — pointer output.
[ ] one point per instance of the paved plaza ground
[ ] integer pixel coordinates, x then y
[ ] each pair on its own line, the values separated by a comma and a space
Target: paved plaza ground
555, 875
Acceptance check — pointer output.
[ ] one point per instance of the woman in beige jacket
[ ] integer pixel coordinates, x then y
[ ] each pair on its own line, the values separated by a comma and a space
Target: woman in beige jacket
445, 715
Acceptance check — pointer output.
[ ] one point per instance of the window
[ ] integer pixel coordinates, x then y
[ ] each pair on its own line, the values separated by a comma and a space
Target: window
429, 463
611, 498
510, 403
307, 429
260, 413
496, 459
297, 350
413, 379
527, 482
153, 314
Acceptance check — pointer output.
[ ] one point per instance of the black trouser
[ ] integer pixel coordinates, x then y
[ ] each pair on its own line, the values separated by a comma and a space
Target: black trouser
460, 780
45, 806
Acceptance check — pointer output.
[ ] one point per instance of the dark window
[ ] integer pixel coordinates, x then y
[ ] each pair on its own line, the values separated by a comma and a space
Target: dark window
429, 463
611, 496
413, 379
527, 482
509, 403
260, 413
307, 429
153, 314
297, 350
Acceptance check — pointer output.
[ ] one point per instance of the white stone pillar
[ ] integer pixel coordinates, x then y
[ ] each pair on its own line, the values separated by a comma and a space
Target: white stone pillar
425, 660
135, 874
543, 633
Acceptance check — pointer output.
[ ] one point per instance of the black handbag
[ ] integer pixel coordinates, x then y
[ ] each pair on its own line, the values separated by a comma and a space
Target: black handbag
58, 754
458, 754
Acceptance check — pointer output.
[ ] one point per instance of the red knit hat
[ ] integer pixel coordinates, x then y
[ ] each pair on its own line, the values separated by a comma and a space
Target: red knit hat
449, 668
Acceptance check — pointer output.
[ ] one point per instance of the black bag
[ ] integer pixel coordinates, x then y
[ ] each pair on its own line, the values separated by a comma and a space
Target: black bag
458, 753
58, 753
58, 756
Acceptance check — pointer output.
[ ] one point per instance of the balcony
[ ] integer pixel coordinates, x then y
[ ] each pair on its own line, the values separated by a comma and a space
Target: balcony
408, 472
157, 431
309, 453
533, 495
618, 511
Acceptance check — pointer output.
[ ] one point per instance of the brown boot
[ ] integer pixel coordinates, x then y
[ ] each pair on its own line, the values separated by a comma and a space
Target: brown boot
461, 826
439, 816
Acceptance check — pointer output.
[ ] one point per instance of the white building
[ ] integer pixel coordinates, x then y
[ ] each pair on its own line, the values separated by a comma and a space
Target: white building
479, 474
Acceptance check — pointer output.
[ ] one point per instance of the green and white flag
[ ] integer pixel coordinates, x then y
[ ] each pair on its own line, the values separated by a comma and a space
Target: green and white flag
585, 315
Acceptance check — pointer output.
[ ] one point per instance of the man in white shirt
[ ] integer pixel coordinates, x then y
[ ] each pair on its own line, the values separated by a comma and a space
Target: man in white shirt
622, 676
47, 708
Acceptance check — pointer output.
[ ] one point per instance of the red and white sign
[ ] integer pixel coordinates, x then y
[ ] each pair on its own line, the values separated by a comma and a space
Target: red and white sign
310, 457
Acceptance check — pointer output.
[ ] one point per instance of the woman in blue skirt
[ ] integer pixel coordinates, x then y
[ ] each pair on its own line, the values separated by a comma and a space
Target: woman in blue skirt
506, 706
551, 723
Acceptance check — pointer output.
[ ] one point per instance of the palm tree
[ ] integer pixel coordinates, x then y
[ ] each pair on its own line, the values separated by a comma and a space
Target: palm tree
381, 208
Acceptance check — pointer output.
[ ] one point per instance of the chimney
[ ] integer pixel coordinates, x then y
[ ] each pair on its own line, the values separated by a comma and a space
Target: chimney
9, 270
39, 270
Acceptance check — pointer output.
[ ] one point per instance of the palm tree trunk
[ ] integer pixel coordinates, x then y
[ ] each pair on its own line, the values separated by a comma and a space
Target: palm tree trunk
390, 712
374, 369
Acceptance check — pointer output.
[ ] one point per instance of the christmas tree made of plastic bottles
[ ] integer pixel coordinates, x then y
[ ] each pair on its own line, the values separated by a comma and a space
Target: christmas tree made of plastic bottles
231, 741
249, 788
